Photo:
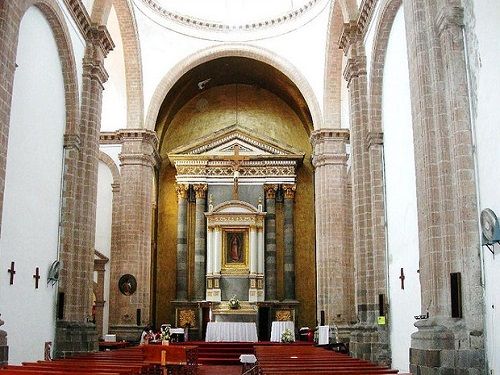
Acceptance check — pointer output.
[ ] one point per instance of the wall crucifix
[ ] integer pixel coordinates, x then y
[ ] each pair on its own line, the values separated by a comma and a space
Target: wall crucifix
402, 278
236, 160
12, 272
36, 276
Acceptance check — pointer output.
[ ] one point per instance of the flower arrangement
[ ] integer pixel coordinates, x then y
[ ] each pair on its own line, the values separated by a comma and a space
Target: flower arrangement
165, 333
234, 303
287, 336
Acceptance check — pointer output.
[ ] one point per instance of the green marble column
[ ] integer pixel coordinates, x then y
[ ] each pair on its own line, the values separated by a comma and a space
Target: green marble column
199, 242
270, 256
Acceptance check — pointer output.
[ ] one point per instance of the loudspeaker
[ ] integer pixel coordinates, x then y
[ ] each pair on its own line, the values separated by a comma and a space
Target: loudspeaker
322, 318
60, 305
138, 317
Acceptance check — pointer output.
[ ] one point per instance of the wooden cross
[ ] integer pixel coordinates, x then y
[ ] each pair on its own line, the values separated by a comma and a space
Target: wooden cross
237, 160
402, 277
12, 272
36, 276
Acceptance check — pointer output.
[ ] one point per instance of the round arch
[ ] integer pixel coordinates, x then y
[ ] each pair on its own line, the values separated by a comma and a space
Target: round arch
232, 50
11, 14
131, 54
383, 30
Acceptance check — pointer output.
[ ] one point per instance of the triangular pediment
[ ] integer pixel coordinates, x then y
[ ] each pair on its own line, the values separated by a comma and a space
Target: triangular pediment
224, 142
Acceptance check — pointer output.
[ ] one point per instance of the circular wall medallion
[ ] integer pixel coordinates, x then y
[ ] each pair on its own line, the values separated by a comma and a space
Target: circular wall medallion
127, 284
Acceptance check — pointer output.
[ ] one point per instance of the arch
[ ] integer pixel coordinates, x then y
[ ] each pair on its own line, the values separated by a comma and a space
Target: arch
106, 159
383, 30
11, 14
349, 9
333, 70
232, 50
131, 55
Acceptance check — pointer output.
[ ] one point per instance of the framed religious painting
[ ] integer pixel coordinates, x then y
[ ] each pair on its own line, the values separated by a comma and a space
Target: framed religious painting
235, 249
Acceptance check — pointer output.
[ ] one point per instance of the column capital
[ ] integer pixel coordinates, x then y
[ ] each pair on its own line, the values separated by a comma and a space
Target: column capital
182, 191
329, 147
355, 67
449, 16
332, 135
374, 138
100, 38
349, 35
139, 135
289, 191
200, 190
138, 159
139, 144
270, 191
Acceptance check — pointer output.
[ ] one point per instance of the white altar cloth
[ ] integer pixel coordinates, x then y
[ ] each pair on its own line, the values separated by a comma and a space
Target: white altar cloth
230, 331
323, 335
278, 327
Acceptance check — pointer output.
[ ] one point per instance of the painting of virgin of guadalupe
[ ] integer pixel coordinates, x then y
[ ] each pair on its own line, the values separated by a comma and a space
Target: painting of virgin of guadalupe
234, 247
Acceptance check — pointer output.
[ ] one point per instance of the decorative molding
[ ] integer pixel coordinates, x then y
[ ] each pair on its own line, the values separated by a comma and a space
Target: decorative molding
323, 135
148, 136
329, 159
79, 15
350, 33
138, 159
366, 11
197, 23
100, 37
107, 138
356, 29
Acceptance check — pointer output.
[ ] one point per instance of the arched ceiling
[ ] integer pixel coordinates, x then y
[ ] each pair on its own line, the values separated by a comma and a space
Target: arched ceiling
232, 70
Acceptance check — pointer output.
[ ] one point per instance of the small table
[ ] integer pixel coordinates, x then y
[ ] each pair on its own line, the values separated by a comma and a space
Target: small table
229, 331
247, 361
278, 327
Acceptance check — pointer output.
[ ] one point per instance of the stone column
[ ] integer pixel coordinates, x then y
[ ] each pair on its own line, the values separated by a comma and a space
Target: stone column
333, 258
75, 332
199, 242
99, 267
289, 251
446, 192
270, 233
252, 292
182, 247
4, 349
139, 157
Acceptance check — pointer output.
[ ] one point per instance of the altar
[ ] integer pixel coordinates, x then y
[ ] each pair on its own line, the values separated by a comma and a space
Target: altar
231, 332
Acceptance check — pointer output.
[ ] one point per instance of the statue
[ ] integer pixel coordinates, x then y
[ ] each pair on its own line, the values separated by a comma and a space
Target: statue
235, 249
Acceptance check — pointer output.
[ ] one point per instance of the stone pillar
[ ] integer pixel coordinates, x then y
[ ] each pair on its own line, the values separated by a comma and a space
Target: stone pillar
270, 279
182, 246
129, 313
289, 251
4, 349
199, 242
75, 332
446, 192
334, 259
252, 292
368, 340
99, 267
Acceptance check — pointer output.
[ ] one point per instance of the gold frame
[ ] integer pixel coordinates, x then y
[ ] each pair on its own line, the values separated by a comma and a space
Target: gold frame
242, 233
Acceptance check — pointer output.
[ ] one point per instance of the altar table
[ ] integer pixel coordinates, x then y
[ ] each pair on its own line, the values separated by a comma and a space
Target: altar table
278, 327
231, 331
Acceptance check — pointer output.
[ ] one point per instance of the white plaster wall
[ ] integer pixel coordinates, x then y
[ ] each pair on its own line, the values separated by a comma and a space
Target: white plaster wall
104, 212
401, 200
31, 205
114, 102
113, 151
162, 49
487, 125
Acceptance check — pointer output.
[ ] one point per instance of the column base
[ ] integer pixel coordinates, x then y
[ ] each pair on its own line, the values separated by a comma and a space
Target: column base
370, 342
127, 332
74, 337
443, 346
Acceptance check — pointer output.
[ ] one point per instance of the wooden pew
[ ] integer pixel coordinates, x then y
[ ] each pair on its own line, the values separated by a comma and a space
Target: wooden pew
290, 360
175, 358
